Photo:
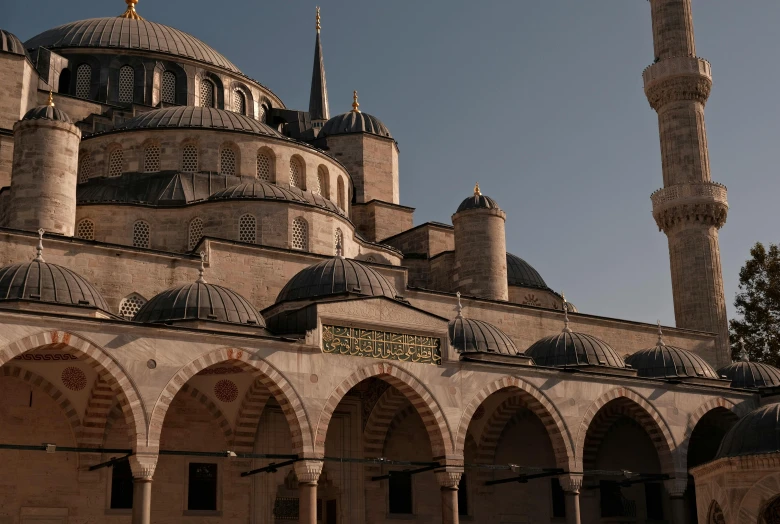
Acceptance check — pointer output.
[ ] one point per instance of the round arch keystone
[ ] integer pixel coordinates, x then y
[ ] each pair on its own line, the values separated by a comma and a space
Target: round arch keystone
423, 401
277, 384
538, 403
107, 368
647, 417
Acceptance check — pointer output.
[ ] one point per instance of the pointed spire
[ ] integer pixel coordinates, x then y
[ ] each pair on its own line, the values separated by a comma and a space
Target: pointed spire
50, 103
201, 279
566, 328
743, 354
39, 249
318, 98
130, 12
660, 335
339, 249
355, 104
460, 306
477, 192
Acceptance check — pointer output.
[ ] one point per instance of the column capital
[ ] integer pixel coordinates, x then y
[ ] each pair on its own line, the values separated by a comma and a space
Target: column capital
308, 470
676, 487
571, 482
143, 465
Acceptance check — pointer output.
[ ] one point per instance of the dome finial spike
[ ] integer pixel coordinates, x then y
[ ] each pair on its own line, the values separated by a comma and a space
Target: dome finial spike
743, 354
355, 104
339, 249
39, 249
318, 19
660, 335
50, 103
130, 12
477, 191
460, 306
566, 328
202, 269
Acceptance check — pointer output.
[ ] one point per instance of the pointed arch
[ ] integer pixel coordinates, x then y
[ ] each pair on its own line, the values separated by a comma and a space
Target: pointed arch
280, 388
415, 391
739, 410
107, 368
635, 406
248, 418
212, 408
101, 400
538, 403
378, 425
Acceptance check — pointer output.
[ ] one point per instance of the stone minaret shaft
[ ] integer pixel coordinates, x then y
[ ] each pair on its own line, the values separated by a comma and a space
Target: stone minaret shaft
690, 208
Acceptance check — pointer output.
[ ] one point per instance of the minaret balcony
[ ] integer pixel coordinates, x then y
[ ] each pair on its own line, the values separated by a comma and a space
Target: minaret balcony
677, 66
705, 202
676, 79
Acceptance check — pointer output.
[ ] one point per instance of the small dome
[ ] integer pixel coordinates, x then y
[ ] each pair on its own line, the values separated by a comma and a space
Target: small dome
43, 282
47, 112
333, 277
189, 117
756, 433
569, 349
469, 336
10, 44
520, 273
750, 375
477, 201
199, 301
259, 190
664, 361
354, 122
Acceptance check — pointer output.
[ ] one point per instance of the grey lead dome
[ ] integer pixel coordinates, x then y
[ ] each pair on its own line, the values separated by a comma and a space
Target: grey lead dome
47, 113
750, 375
9, 43
521, 273
569, 349
468, 336
757, 433
355, 122
186, 117
664, 361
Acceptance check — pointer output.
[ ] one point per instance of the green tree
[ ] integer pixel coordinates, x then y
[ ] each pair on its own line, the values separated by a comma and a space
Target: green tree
758, 307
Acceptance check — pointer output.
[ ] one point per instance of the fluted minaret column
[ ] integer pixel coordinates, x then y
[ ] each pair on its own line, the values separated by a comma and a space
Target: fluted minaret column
690, 208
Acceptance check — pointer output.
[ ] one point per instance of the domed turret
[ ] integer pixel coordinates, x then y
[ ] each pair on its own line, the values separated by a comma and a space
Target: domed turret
480, 248
750, 375
476, 336
757, 433
355, 121
664, 361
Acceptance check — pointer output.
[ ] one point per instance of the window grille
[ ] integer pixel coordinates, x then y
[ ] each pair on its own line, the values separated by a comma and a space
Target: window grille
247, 229
152, 158
227, 162
83, 80
338, 241
264, 164
85, 167
206, 93
126, 84
115, 161
300, 234
261, 111
189, 159
85, 229
141, 233
168, 87
296, 173
342, 201
239, 102
196, 232
130, 305
322, 182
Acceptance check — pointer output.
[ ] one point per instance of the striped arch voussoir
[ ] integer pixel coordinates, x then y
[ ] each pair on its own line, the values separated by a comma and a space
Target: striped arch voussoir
739, 410
107, 369
267, 375
379, 425
212, 408
248, 418
537, 403
411, 388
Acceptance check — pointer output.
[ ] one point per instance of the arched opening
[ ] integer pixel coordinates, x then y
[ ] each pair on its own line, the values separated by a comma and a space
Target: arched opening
116, 161
297, 172
130, 305
63, 85
85, 167
83, 81
239, 102
771, 514
228, 161
323, 182
126, 84
266, 167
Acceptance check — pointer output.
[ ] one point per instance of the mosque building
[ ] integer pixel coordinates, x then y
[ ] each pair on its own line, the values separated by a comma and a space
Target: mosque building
215, 309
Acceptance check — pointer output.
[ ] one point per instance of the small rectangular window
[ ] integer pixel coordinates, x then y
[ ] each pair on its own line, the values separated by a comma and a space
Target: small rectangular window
400, 487
121, 486
558, 499
654, 501
463, 496
202, 492
611, 499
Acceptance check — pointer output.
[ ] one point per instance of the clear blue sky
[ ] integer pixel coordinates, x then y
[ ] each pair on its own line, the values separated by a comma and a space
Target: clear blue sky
539, 101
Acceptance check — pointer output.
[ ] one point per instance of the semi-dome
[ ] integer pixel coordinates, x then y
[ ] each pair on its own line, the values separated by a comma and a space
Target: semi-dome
333, 277
47, 112
750, 375
134, 34
664, 361
469, 336
757, 433
521, 273
10, 44
477, 201
188, 117
260, 190
355, 122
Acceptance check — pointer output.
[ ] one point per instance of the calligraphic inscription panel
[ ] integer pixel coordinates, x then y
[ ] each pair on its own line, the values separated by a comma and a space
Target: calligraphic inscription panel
381, 344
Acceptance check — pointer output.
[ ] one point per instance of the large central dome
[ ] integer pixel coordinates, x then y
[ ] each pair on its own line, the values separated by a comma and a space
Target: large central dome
129, 33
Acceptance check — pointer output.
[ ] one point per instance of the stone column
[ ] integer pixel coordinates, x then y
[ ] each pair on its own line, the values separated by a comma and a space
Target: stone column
571, 485
142, 466
449, 480
676, 488
308, 474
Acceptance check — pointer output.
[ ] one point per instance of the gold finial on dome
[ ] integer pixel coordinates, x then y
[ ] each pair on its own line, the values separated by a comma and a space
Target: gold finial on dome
566, 328
39, 249
477, 192
50, 103
202, 270
355, 104
130, 12
318, 19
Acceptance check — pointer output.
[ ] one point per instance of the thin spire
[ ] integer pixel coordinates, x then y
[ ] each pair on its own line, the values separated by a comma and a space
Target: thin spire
39, 249
743, 354
50, 103
339, 249
477, 191
130, 12
660, 335
202, 269
460, 306
566, 328
318, 97
355, 104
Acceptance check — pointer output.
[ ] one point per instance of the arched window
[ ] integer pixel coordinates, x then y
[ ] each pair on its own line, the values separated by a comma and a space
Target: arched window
207, 93
239, 102
168, 89
83, 80
115, 162
262, 113
265, 165
126, 84
152, 158
300, 234
338, 242
247, 229
322, 182
189, 159
85, 229
195, 233
342, 199
130, 305
141, 234
227, 161
64, 82
297, 176
85, 167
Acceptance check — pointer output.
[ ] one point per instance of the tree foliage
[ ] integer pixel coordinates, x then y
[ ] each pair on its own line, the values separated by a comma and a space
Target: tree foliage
758, 307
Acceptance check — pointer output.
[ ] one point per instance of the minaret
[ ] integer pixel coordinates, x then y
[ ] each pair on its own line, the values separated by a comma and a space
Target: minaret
318, 99
690, 208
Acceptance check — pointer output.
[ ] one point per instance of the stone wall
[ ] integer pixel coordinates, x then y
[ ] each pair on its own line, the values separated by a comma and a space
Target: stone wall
373, 163
480, 253
429, 239
379, 220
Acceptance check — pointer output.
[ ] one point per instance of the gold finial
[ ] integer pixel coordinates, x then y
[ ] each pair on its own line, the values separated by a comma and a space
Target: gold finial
39, 249
477, 192
202, 269
355, 104
130, 12
318, 19
460, 306
566, 328
50, 103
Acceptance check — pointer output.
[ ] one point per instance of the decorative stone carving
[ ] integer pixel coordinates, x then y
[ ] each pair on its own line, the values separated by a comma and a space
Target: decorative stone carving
73, 378
571, 483
449, 477
381, 344
226, 390
308, 471
676, 487
678, 79
143, 465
